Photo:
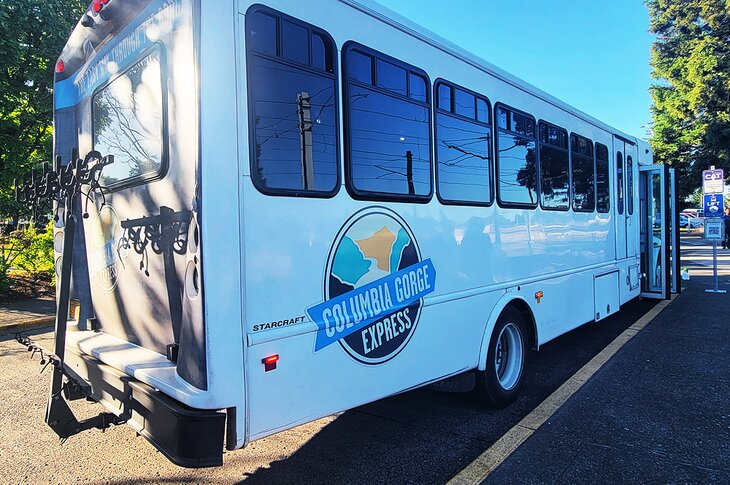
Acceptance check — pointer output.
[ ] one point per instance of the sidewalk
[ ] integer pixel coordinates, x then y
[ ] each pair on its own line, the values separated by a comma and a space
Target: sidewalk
658, 411
26, 314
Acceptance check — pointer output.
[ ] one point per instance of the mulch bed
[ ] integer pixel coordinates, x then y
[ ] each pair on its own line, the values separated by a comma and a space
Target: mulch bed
23, 287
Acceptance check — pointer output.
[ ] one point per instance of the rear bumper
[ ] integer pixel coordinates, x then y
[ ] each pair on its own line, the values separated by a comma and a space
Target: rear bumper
188, 437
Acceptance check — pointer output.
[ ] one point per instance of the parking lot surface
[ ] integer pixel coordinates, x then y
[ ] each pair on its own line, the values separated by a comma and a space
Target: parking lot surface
426, 436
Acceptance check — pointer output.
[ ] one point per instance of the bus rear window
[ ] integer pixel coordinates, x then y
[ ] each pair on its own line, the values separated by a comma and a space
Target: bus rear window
128, 123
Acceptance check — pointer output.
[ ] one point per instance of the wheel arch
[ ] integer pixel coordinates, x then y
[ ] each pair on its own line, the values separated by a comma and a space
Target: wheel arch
518, 302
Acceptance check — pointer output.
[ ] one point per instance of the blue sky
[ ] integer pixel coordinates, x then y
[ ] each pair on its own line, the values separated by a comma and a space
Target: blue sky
602, 65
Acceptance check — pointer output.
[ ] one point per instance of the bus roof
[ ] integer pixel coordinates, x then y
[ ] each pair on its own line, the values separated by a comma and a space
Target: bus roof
409, 27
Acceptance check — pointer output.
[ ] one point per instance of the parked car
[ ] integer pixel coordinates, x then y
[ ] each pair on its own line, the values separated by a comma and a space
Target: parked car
689, 222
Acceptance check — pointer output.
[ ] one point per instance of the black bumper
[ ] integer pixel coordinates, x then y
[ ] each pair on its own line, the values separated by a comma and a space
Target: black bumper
188, 437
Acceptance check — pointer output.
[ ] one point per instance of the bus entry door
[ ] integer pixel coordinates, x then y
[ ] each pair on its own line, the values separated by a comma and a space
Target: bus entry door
656, 222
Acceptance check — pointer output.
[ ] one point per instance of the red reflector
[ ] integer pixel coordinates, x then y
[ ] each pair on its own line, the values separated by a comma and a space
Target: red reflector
272, 359
60, 66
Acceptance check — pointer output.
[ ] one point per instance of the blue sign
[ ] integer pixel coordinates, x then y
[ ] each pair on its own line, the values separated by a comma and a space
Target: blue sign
714, 205
347, 313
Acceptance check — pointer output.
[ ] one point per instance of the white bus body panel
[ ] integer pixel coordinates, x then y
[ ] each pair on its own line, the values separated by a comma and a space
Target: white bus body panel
479, 254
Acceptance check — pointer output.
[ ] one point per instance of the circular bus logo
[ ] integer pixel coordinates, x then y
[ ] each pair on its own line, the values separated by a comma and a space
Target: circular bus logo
374, 284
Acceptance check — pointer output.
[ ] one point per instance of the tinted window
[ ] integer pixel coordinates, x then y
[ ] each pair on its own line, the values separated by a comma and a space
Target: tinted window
465, 104
444, 97
294, 121
322, 58
584, 191
482, 111
630, 184
261, 33
554, 166
463, 154
127, 117
620, 182
295, 43
603, 188
516, 158
418, 87
389, 142
392, 78
360, 67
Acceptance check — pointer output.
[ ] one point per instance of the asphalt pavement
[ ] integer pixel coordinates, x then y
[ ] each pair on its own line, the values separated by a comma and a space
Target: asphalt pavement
658, 412
664, 390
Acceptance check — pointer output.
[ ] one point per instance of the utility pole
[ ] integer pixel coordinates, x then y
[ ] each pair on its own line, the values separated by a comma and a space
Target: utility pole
304, 108
409, 172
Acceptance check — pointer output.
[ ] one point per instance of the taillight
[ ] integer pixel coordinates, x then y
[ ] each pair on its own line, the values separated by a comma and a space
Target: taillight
98, 5
60, 66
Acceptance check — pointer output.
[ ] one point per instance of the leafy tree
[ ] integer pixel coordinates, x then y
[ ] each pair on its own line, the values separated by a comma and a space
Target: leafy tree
32, 35
691, 110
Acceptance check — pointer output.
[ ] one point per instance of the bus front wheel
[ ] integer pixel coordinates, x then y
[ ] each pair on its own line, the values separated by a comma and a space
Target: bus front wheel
502, 380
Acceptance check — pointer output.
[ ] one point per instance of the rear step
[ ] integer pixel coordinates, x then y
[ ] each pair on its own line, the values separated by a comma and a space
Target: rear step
188, 437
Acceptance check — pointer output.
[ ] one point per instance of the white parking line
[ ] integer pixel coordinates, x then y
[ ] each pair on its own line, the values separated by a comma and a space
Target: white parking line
487, 462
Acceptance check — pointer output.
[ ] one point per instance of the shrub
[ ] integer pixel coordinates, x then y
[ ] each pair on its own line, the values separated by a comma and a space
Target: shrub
36, 257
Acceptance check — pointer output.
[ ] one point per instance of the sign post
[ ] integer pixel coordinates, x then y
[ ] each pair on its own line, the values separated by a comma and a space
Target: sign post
713, 186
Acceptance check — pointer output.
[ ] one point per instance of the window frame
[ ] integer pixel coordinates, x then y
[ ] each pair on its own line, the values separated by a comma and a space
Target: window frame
358, 194
126, 183
620, 190
629, 164
539, 167
500, 203
608, 173
280, 17
436, 110
593, 150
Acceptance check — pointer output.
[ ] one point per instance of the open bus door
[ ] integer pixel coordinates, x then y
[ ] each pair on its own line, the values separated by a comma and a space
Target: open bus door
659, 235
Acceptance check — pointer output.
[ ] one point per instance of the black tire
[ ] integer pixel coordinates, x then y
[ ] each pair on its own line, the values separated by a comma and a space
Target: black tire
501, 382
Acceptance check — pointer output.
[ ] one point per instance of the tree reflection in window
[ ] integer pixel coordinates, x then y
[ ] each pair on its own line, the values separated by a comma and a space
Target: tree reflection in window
516, 160
603, 188
583, 168
127, 122
554, 167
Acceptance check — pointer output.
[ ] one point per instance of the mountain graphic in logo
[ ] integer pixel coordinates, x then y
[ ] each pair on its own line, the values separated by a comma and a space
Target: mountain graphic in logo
374, 286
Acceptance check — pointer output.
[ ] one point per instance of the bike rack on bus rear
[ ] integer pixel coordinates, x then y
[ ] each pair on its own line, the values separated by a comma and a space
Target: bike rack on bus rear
69, 188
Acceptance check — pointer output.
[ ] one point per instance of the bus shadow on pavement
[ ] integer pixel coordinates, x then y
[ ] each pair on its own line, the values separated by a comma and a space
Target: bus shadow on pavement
429, 436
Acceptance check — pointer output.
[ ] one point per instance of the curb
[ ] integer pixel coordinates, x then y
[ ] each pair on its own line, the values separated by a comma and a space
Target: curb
478, 470
34, 324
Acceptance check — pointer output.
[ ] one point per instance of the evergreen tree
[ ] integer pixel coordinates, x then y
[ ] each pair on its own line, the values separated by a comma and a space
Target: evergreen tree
691, 63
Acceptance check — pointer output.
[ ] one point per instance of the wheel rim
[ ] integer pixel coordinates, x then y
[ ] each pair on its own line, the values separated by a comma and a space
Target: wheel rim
508, 356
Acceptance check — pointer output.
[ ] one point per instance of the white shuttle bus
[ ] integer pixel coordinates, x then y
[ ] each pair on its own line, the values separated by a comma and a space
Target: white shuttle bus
315, 205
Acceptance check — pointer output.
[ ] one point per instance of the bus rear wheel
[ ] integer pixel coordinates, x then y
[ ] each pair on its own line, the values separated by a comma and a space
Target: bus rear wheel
501, 382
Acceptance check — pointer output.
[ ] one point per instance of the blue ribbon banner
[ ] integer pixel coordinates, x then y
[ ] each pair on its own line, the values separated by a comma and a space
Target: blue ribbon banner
346, 314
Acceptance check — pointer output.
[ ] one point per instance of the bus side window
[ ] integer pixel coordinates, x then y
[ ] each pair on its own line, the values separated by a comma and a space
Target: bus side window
630, 184
603, 186
463, 146
516, 159
584, 177
387, 127
620, 182
293, 106
554, 167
